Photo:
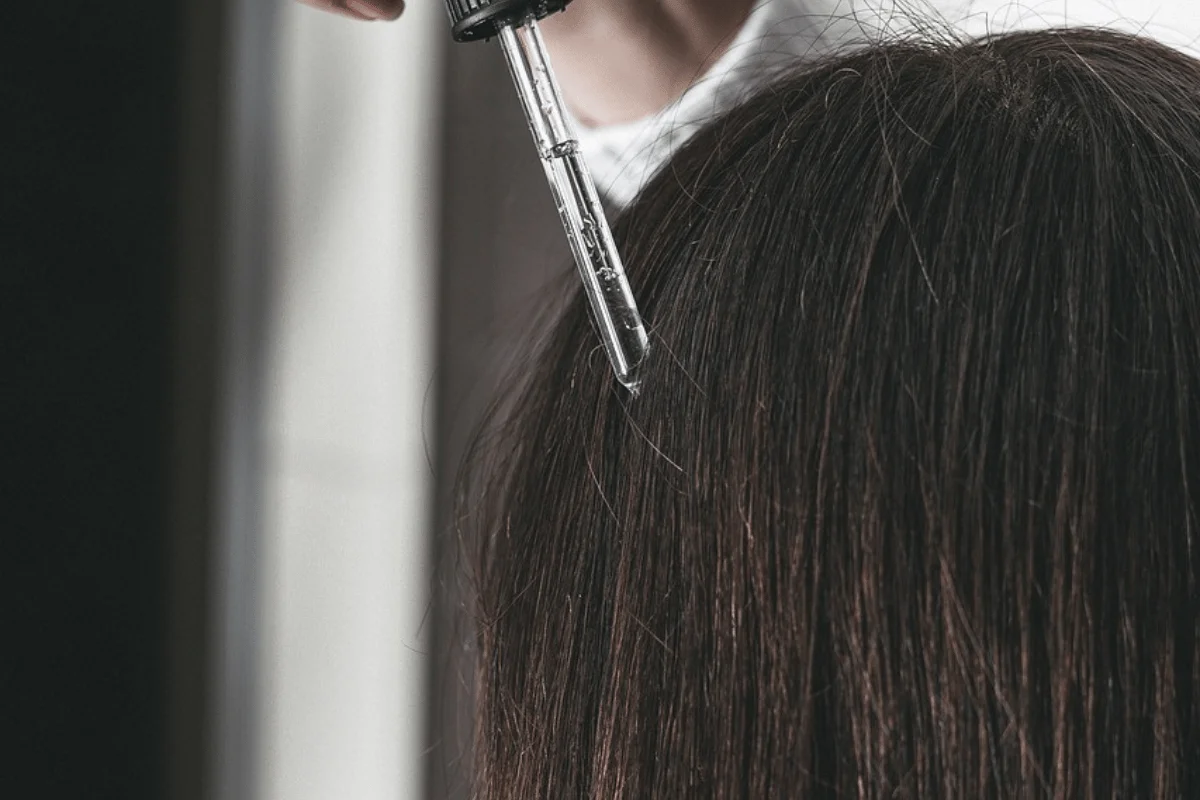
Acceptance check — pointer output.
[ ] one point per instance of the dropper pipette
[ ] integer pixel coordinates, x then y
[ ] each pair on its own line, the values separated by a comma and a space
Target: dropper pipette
514, 23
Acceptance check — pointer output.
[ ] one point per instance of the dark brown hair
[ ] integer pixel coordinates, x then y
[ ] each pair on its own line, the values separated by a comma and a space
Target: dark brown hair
908, 504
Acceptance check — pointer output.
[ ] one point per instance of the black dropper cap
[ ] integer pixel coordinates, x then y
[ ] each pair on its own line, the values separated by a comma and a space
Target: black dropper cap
483, 19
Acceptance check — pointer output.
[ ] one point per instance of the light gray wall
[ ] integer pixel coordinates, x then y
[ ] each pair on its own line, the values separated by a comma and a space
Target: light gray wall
347, 478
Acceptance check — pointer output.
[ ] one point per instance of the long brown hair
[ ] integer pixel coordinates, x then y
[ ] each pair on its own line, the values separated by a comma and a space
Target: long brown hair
908, 504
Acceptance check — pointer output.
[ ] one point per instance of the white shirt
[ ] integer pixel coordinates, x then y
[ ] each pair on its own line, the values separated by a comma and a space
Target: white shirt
777, 33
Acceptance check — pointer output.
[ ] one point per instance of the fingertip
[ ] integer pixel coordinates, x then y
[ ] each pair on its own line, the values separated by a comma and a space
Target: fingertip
348, 12
394, 8
385, 10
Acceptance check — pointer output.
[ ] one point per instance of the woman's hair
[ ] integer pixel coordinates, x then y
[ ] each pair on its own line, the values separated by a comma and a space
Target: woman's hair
909, 503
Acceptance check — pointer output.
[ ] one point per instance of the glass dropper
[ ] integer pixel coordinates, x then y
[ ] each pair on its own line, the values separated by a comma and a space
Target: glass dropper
614, 311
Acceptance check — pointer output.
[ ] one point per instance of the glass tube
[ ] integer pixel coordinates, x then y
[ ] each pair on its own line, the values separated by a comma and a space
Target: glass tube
614, 309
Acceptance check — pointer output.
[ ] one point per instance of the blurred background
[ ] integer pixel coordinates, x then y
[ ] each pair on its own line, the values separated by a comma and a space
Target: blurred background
239, 236
261, 269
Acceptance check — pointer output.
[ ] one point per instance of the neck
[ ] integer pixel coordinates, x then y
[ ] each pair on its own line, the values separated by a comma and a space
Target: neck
621, 60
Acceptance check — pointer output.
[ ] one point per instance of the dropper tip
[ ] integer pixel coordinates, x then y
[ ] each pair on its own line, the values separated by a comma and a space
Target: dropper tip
632, 382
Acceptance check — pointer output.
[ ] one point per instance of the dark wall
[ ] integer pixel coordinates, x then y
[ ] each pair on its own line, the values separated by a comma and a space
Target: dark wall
87, 200
503, 258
